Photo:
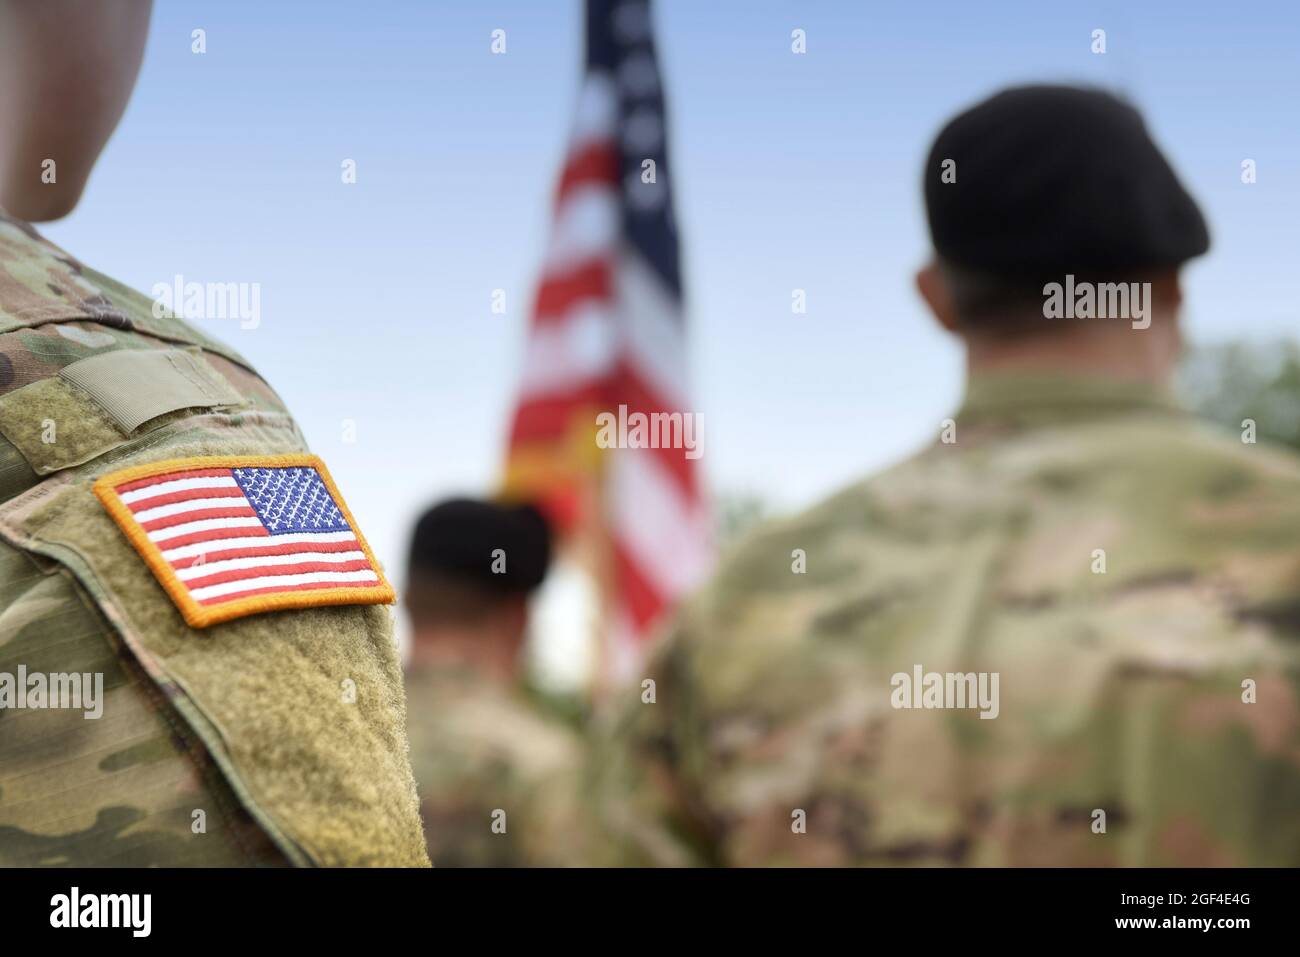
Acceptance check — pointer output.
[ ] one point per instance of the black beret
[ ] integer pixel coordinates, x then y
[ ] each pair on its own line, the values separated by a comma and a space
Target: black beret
455, 540
1053, 180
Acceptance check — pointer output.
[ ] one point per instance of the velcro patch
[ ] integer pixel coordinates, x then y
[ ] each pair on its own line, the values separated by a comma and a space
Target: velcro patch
136, 385
233, 536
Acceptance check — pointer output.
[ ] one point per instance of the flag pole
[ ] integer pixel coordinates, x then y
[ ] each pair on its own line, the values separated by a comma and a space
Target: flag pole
604, 573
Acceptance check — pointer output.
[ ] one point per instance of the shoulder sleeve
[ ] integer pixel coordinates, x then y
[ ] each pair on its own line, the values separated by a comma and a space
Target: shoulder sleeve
648, 809
268, 650
96, 768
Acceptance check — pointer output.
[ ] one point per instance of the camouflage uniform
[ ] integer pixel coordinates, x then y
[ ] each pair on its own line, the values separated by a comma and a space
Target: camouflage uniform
478, 748
244, 721
1120, 690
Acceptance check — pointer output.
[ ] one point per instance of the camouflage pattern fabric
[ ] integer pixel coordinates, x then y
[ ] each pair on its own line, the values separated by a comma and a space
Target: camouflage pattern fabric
277, 738
119, 791
1133, 578
496, 777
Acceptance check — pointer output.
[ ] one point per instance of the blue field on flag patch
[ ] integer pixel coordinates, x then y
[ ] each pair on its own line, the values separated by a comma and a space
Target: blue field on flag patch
290, 500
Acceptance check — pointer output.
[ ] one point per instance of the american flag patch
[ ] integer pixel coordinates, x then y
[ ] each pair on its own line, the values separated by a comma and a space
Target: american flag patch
234, 536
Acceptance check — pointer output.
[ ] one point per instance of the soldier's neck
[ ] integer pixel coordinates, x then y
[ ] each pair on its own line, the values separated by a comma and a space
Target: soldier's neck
485, 658
1147, 356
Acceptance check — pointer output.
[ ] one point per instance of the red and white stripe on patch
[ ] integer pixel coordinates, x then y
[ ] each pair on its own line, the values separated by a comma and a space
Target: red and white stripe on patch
233, 536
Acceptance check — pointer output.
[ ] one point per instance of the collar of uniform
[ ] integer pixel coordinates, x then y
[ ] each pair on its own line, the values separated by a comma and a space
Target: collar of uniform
20, 224
1026, 399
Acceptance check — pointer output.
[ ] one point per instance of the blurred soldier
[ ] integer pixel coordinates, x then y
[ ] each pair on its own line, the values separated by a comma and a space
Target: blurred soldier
496, 777
1066, 633
195, 664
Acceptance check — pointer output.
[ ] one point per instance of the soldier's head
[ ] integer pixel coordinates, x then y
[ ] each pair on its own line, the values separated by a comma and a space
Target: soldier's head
1059, 231
472, 567
66, 71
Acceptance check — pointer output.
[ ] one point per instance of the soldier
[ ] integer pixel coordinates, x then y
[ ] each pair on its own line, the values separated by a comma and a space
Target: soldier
496, 777
1064, 634
196, 667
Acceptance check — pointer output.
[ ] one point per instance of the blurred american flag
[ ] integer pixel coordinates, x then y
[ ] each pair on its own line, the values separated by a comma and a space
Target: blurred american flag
606, 331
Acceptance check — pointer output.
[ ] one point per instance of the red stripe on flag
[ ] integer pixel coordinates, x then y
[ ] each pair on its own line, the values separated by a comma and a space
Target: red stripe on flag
267, 571
638, 395
551, 416
597, 162
286, 588
170, 477
257, 551
560, 292
636, 593
199, 515
193, 538
171, 498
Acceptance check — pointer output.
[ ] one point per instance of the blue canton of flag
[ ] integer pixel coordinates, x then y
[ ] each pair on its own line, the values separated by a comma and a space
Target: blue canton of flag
290, 500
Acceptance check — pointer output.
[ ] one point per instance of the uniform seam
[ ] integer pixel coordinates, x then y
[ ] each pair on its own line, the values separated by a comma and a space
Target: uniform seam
196, 753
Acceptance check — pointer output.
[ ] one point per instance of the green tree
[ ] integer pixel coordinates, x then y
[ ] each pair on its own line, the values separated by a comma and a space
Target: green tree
1259, 380
737, 513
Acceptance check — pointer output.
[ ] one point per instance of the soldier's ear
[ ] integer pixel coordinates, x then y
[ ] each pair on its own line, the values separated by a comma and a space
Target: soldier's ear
932, 286
1168, 290
514, 613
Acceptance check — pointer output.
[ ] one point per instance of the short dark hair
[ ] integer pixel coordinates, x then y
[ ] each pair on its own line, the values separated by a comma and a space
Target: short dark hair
459, 539
990, 301
453, 572
1003, 305
433, 598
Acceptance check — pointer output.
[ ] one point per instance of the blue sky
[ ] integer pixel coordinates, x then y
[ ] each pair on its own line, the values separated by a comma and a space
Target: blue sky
791, 172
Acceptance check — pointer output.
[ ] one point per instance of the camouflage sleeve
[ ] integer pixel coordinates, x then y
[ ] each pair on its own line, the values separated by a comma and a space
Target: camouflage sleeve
117, 780
1208, 763
647, 807
499, 782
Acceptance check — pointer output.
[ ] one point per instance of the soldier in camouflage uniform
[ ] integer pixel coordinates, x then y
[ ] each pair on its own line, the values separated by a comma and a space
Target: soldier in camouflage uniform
267, 738
1129, 574
496, 777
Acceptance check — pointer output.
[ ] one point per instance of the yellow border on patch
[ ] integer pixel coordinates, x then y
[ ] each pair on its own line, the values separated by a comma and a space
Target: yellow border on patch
201, 616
